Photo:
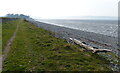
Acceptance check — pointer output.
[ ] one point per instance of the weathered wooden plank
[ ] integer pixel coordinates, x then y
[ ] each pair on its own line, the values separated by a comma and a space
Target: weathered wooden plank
89, 48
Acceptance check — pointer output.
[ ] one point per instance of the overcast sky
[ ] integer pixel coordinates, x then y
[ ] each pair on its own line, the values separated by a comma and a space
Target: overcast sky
60, 8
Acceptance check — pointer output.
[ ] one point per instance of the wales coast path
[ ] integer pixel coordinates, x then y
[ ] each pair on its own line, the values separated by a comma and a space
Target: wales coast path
7, 47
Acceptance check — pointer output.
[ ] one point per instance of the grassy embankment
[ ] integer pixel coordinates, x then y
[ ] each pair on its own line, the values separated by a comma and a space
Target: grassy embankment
35, 49
7, 31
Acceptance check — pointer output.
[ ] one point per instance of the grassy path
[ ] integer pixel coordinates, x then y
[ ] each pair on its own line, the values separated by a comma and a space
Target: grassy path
34, 49
9, 42
8, 29
7, 48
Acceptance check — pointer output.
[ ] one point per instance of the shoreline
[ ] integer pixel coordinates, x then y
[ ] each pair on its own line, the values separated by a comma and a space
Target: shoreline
90, 38
36, 49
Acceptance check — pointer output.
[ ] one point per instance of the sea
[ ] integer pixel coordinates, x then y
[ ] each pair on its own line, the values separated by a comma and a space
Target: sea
105, 27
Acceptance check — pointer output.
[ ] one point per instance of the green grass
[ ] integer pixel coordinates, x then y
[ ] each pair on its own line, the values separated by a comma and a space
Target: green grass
0, 36
34, 49
8, 29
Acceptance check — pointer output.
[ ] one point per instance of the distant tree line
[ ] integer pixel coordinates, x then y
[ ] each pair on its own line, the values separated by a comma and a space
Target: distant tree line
18, 16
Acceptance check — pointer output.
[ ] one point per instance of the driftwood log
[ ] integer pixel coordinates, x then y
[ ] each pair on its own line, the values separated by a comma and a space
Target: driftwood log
89, 48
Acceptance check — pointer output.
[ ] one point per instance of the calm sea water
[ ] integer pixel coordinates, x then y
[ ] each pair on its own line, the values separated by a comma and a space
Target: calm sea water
105, 27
